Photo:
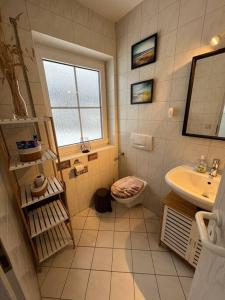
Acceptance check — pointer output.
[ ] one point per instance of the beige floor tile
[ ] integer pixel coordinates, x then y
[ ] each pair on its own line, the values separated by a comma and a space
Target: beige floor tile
64, 258
122, 286
136, 212
154, 242
98, 286
122, 211
152, 225
83, 213
92, 223
107, 224
54, 282
139, 240
122, 260
137, 225
105, 239
186, 285
78, 222
76, 284
145, 287
41, 274
170, 288
83, 258
47, 262
142, 262
163, 263
77, 234
93, 213
102, 259
109, 214
88, 238
148, 214
122, 239
182, 267
122, 224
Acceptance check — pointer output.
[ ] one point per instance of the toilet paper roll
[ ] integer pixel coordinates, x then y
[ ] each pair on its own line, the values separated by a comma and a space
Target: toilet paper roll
79, 168
38, 181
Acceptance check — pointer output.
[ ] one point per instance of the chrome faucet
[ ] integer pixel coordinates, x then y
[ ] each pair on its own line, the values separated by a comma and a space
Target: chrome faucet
215, 167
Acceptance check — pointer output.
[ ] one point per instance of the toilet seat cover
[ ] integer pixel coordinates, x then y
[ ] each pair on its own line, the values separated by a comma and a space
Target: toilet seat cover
127, 187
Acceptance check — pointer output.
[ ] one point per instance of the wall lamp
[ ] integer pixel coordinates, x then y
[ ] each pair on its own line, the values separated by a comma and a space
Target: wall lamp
216, 39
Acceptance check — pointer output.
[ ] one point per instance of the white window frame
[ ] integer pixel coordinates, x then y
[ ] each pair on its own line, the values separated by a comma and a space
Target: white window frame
69, 58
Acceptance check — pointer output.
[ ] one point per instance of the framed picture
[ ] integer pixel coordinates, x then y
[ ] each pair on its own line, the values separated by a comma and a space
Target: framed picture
141, 92
144, 52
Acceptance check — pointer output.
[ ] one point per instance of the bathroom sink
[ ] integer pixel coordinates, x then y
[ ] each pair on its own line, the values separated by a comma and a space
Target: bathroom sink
197, 188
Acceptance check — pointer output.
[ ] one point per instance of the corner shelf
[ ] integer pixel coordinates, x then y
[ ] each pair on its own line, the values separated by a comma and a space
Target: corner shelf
54, 188
16, 164
45, 217
52, 241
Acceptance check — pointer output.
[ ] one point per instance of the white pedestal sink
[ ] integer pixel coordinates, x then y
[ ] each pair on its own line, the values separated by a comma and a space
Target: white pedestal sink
196, 188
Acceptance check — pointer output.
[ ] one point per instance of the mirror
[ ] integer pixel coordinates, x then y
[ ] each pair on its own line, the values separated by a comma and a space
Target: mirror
205, 108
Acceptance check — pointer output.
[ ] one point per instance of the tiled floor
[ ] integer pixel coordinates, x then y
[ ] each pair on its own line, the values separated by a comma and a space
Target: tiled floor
117, 258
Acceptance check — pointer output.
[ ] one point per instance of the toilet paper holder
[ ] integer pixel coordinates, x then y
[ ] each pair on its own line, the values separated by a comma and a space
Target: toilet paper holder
79, 168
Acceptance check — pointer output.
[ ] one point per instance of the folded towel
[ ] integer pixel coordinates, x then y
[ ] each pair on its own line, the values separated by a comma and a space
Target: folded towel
127, 187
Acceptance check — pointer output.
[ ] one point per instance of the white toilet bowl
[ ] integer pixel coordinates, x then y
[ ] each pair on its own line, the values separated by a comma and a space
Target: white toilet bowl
134, 200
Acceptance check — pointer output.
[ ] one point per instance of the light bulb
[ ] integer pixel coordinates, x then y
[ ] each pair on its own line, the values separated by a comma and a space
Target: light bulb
215, 40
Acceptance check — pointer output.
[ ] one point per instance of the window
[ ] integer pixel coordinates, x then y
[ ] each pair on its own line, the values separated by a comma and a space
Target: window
75, 101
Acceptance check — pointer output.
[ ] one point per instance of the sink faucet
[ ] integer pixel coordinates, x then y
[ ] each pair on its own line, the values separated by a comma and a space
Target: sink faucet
215, 167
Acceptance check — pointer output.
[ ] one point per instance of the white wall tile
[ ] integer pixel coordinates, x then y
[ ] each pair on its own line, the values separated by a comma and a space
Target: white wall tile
191, 10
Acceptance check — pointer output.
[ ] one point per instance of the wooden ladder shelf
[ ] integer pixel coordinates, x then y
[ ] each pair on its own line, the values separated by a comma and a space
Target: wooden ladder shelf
46, 218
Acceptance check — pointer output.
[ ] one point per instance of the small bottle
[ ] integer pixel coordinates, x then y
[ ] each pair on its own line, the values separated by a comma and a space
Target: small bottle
201, 165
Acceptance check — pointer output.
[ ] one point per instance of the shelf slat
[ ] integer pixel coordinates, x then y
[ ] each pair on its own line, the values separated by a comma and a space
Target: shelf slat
46, 217
52, 241
16, 164
23, 121
54, 188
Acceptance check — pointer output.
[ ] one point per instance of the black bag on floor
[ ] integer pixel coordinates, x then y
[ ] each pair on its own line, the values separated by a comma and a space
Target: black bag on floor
102, 200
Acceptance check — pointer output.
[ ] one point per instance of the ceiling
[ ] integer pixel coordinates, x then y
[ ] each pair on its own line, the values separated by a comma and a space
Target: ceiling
111, 9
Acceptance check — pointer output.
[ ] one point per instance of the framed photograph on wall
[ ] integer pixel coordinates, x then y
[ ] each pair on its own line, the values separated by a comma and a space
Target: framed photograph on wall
144, 52
142, 92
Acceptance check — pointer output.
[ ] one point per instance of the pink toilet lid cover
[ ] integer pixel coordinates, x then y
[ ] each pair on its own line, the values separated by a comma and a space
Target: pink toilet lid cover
127, 187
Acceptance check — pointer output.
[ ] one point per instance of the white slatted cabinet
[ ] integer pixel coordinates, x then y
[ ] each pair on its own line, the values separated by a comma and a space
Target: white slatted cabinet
179, 232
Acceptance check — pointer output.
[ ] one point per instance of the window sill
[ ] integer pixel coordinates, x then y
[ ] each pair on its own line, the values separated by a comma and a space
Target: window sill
80, 154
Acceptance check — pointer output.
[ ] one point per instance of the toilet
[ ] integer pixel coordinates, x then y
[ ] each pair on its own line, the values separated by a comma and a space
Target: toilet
137, 195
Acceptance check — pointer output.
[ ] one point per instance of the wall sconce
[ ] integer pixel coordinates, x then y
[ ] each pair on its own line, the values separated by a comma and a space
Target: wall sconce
216, 39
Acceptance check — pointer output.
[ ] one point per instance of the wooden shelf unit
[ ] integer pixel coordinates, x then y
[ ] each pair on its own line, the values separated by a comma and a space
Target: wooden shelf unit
23, 121
55, 187
48, 222
52, 241
16, 164
47, 216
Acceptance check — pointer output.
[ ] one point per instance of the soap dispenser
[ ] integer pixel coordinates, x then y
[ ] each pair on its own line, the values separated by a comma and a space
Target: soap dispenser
201, 165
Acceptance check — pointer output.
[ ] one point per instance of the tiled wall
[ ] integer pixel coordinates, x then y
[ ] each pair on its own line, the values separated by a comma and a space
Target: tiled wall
101, 173
14, 238
70, 21
184, 29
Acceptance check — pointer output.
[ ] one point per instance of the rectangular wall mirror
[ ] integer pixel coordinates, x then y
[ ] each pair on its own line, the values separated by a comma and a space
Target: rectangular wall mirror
205, 108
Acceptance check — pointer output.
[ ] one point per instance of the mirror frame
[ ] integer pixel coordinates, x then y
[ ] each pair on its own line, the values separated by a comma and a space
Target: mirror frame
189, 94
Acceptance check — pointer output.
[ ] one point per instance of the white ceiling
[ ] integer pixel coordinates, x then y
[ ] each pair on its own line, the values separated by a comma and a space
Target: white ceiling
111, 9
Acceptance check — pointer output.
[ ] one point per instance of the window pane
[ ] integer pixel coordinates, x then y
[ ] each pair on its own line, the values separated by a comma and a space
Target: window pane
61, 84
91, 123
67, 126
88, 87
